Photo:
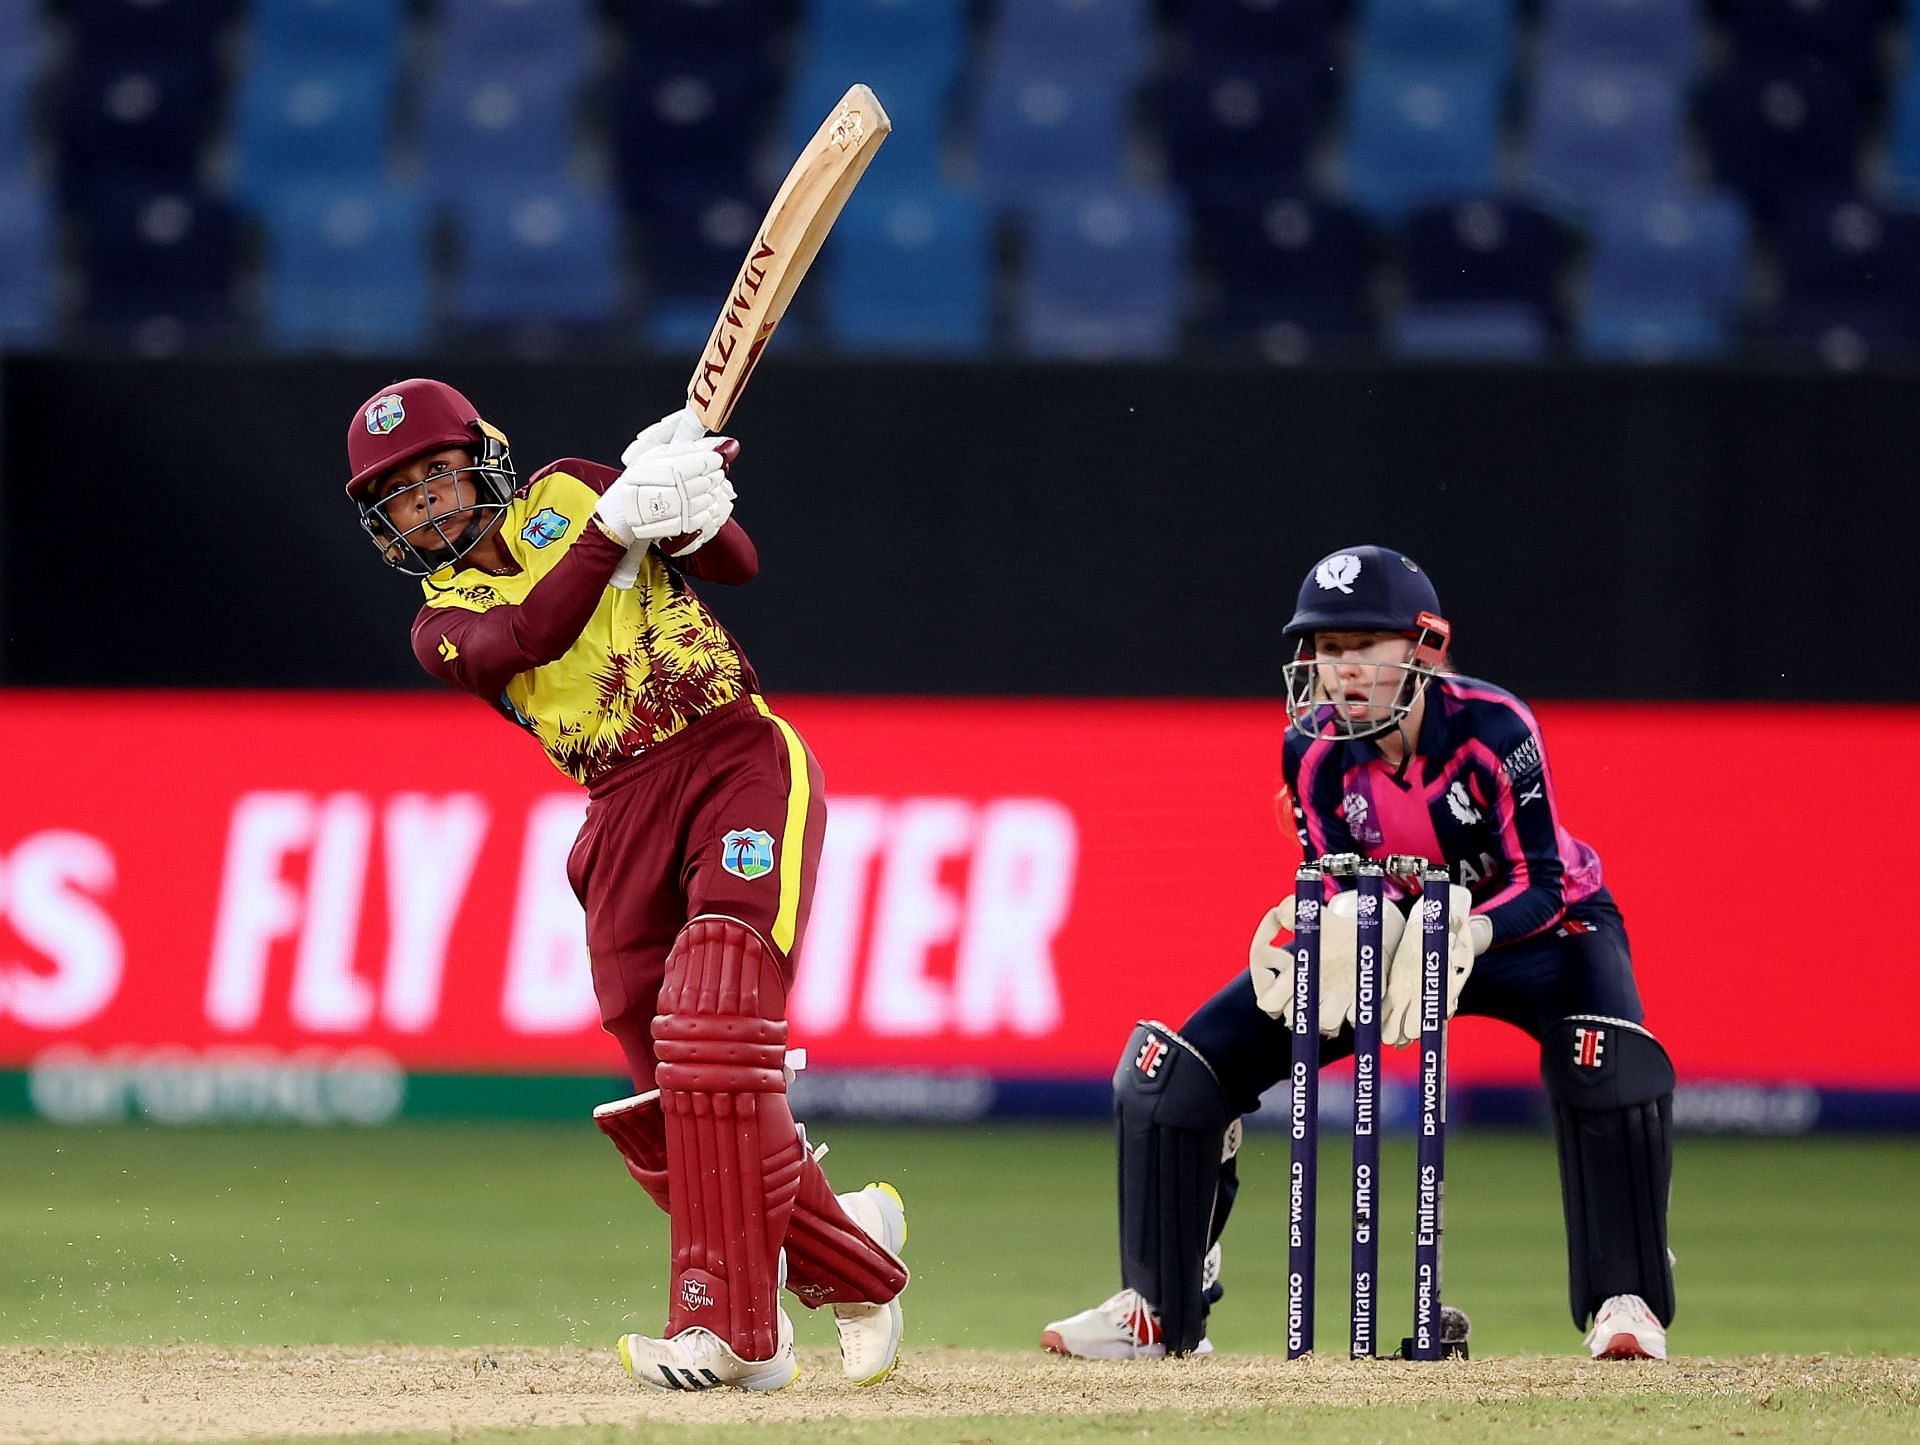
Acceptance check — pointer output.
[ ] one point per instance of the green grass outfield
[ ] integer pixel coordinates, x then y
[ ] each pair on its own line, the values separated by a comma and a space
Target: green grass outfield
474, 1237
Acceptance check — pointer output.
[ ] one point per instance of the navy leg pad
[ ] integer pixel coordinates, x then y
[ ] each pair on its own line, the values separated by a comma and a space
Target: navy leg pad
1171, 1116
1611, 1084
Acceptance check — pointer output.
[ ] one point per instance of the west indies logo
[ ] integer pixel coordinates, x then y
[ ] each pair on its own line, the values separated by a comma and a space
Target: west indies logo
747, 852
385, 414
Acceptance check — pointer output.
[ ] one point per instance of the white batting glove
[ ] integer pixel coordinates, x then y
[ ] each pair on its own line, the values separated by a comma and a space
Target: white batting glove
1270, 958
664, 492
717, 515
675, 426
1467, 937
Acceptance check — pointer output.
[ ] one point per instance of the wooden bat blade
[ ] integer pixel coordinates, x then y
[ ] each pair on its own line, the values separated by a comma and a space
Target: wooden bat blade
804, 209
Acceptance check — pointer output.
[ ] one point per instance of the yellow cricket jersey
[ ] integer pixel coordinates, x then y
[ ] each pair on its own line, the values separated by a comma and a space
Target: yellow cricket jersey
596, 673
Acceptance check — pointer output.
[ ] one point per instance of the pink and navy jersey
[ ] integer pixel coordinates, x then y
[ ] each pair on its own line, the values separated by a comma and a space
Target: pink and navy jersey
1477, 795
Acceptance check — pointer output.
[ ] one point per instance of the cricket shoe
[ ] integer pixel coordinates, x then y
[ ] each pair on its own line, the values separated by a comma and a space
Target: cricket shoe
870, 1334
1625, 1329
1126, 1327
698, 1359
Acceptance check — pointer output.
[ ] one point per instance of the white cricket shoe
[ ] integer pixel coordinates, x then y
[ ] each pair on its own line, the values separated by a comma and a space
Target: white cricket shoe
698, 1359
1125, 1327
1625, 1329
870, 1334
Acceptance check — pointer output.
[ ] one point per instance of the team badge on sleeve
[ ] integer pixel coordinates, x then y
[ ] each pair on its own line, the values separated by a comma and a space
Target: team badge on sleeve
747, 853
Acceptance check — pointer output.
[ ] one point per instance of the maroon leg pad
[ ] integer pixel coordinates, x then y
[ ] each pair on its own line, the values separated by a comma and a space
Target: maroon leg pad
830, 1259
733, 1153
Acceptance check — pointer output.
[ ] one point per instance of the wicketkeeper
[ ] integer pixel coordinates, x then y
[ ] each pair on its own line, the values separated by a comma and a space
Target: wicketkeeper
564, 603
1390, 752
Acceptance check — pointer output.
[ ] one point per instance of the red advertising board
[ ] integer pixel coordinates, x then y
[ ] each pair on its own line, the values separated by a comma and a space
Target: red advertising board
1006, 886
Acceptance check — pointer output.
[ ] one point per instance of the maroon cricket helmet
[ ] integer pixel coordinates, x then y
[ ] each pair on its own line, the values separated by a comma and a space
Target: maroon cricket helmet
411, 419
408, 420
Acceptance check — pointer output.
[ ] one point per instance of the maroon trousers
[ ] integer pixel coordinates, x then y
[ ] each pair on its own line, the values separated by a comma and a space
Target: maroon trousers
722, 823
727, 817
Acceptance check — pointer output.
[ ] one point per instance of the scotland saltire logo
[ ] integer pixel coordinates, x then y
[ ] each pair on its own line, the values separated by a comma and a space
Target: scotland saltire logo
385, 414
747, 853
546, 529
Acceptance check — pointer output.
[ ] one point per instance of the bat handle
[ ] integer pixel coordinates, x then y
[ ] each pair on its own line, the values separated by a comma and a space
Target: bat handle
689, 428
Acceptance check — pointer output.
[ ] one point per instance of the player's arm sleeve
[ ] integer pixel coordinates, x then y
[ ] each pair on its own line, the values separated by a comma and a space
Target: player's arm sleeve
480, 651
730, 558
1315, 789
1526, 821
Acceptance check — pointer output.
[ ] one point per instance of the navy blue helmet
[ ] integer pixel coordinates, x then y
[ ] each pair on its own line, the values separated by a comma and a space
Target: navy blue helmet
1363, 589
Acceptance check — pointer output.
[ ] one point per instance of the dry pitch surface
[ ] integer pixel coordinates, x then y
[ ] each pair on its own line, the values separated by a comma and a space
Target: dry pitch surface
198, 1393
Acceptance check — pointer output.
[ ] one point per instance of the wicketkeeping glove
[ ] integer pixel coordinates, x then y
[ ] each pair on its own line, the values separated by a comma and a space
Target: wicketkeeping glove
1468, 935
1270, 958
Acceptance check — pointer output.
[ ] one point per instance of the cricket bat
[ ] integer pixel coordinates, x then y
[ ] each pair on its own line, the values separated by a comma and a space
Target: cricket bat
804, 209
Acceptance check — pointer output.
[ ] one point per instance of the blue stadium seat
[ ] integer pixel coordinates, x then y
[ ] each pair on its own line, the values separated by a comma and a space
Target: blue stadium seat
1421, 133
1665, 280
669, 30
1840, 34
22, 24
317, 33
1040, 129
551, 255
1286, 273
1605, 132
1662, 35
1778, 129
1902, 175
1486, 252
1231, 126
911, 273
161, 264
694, 239
1849, 263
29, 265
1652, 334
1446, 32
929, 34
1104, 277
347, 268
508, 123
1482, 283
146, 117
556, 37
1260, 29
917, 102
124, 27
298, 124
689, 124
1110, 40
1468, 331
19, 76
